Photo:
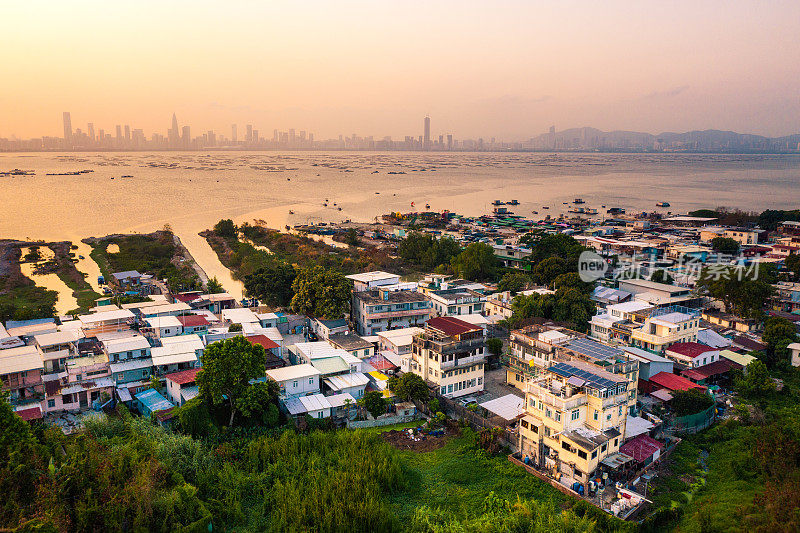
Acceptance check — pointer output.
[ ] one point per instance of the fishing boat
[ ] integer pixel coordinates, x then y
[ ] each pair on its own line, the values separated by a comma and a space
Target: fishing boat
513, 202
578, 201
662, 204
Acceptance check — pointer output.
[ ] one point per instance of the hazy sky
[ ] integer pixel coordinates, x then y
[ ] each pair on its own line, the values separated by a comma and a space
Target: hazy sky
503, 69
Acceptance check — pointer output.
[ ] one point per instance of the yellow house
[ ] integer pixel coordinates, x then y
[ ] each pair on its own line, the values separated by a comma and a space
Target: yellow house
575, 418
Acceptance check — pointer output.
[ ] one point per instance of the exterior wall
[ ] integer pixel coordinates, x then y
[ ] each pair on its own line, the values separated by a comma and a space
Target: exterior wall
299, 387
129, 376
116, 357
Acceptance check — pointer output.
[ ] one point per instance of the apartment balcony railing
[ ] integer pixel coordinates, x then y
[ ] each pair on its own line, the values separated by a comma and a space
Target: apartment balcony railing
463, 361
400, 313
449, 347
556, 398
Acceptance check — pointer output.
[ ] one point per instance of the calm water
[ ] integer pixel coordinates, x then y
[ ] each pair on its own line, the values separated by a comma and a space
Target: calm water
191, 191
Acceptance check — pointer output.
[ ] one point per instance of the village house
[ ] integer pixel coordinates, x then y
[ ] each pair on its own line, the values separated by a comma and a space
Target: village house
177, 353
296, 380
389, 308
575, 419
181, 386
691, 354
451, 354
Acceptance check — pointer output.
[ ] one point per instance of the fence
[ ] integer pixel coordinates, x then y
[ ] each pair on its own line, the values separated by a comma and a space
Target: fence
454, 409
694, 423
388, 421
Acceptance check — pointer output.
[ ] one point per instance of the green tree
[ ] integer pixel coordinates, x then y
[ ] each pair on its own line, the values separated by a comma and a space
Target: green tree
477, 262
374, 403
259, 402
756, 381
214, 286
724, 245
228, 367
409, 387
661, 276
792, 264
513, 282
226, 229
558, 245
778, 334
321, 293
689, 402
495, 346
272, 283
426, 251
194, 418
549, 269
744, 292
572, 280
351, 237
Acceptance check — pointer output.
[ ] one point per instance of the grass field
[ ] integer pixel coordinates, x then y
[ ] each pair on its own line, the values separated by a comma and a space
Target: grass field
459, 476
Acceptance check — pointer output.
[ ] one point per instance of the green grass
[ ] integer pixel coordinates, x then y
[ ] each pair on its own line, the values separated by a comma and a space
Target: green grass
459, 476
383, 429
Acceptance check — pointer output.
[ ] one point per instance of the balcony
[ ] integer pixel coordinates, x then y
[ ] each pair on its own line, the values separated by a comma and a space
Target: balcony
463, 361
556, 397
448, 347
400, 313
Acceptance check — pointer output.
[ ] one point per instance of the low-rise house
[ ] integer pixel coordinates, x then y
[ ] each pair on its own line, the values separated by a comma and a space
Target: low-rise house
343, 406
193, 324
660, 294
314, 405
56, 348
451, 354
352, 343
21, 374
177, 353
296, 380
271, 350
324, 329
385, 309
650, 364
665, 327
397, 341
268, 320
692, 354
151, 401
729, 321
371, 280
455, 302
712, 373
123, 348
353, 384
240, 315
165, 326
165, 309
106, 322
671, 383
182, 386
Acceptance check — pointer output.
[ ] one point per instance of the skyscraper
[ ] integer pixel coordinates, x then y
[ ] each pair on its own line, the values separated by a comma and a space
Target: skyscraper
174, 133
233, 133
249, 134
67, 129
91, 131
426, 139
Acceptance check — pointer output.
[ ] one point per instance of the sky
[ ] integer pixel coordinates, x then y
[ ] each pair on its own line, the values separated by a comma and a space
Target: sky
504, 69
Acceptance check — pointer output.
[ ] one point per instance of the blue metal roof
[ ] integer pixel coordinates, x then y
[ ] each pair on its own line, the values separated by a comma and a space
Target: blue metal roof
153, 400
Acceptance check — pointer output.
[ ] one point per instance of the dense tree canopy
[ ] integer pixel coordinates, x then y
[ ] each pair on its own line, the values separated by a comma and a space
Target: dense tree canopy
321, 293
662, 276
513, 282
689, 402
549, 269
228, 367
756, 381
477, 262
226, 228
214, 286
743, 291
724, 245
272, 283
558, 245
409, 387
426, 251
374, 403
778, 334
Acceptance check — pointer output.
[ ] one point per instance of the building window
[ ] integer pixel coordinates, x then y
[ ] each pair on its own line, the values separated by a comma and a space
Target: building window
51, 404
582, 454
594, 454
294, 384
444, 390
576, 414
595, 415
310, 381
558, 416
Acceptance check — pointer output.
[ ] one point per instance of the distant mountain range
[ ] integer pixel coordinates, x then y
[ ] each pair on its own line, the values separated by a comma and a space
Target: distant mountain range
690, 141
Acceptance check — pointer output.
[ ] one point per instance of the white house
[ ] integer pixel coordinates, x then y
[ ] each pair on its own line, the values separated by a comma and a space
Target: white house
165, 326
181, 386
177, 353
296, 380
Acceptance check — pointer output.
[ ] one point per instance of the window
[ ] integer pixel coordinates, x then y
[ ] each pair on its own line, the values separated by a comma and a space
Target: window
620, 410
558, 416
524, 424
576, 414
595, 416
294, 384
582, 454
608, 416
444, 390
594, 454
51, 404
310, 381
603, 447
615, 442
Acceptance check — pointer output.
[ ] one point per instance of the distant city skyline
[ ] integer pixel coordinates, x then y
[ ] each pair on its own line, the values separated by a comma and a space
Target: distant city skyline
575, 139
507, 70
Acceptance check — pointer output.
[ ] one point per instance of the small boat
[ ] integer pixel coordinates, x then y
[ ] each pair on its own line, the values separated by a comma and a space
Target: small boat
127, 176
339, 208
578, 201
291, 212
498, 202
427, 206
513, 202
662, 204
545, 207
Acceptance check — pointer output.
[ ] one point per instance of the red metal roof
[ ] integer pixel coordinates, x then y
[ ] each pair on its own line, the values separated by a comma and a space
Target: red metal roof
381, 363
641, 448
451, 325
184, 376
34, 413
263, 340
674, 382
706, 371
691, 349
193, 321
187, 297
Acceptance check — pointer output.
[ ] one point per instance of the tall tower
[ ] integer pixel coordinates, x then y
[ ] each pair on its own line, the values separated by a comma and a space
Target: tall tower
67, 129
91, 131
426, 139
174, 133
233, 133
